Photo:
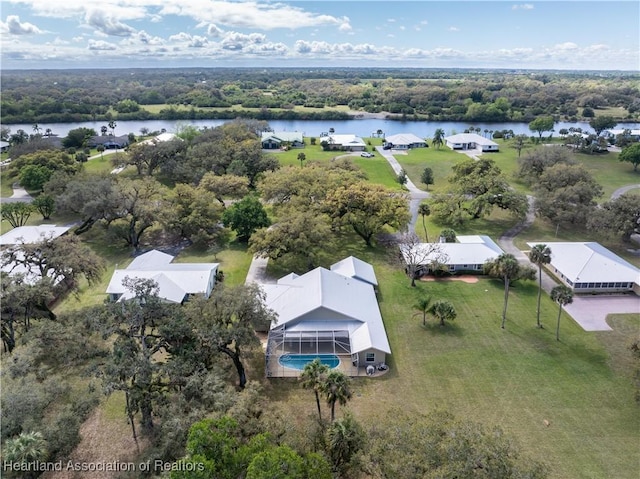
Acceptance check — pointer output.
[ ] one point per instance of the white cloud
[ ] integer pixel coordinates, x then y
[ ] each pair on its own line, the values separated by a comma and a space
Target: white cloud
104, 23
213, 31
237, 41
523, 6
565, 46
255, 15
101, 45
14, 26
454, 29
345, 27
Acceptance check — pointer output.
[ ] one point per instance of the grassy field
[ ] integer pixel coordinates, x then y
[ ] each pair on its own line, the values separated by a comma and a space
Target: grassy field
606, 169
515, 378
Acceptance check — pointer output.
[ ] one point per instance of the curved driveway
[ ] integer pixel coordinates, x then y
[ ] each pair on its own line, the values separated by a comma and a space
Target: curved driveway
416, 195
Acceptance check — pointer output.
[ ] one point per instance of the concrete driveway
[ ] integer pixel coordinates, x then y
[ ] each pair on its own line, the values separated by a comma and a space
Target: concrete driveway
590, 312
20, 195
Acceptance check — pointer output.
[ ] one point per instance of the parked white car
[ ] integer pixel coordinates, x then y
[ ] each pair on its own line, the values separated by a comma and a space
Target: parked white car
366, 154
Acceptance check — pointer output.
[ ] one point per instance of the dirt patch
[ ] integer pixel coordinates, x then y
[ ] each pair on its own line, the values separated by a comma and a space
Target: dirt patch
106, 444
465, 278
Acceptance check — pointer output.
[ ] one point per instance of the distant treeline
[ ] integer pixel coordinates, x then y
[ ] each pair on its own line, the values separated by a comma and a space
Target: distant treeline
52, 96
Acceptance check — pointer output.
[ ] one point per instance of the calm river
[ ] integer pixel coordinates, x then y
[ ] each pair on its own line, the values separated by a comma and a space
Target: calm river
361, 127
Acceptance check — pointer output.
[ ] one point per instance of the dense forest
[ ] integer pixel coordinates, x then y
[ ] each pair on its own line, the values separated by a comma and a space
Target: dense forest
30, 96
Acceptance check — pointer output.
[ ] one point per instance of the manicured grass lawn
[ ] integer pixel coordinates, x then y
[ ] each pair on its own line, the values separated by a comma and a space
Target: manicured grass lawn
514, 378
378, 170
234, 261
439, 160
6, 182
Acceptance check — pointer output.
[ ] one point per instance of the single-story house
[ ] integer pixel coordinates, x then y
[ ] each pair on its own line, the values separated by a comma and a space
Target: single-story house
405, 141
162, 137
273, 140
469, 254
328, 313
470, 141
110, 142
343, 142
32, 234
4, 146
176, 281
589, 267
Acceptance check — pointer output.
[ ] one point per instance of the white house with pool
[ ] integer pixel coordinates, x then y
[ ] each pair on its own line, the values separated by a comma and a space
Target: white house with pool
332, 314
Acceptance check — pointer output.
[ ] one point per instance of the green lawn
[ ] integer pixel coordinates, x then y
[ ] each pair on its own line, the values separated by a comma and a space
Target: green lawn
234, 261
515, 378
606, 169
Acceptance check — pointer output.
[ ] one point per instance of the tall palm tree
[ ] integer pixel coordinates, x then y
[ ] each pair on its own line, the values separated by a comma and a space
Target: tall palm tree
539, 255
335, 388
507, 268
443, 310
424, 210
438, 138
562, 295
112, 125
104, 129
312, 377
422, 306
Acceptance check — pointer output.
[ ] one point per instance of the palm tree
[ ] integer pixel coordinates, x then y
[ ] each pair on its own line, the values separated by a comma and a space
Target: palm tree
301, 158
48, 132
312, 376
335, 388
539, 255
443, 310
506, 266
379, 133
27, 447
424, 210
422, 306
346, 438
438, 138
103, 130
112, 125
36, 129
562, 295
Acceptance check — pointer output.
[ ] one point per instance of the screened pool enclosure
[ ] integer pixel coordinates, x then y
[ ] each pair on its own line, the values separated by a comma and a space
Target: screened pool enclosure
283, 346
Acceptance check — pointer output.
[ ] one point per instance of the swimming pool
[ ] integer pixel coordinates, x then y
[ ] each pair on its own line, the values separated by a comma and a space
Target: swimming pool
298, 361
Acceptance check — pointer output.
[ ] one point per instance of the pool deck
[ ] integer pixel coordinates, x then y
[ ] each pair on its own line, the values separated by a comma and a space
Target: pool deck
276, 370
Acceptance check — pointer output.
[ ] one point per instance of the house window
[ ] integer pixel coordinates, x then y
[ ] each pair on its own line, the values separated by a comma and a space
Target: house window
618, 285
598, 285
591, 285
569, 282
370, 358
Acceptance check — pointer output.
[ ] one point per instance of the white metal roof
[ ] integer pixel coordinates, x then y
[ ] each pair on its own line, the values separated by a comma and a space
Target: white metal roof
472, 249
160, 138
175, 280
355, 268
282, 135
32, 234
404, 139
590, 262
469, 138
346, 140
325, 300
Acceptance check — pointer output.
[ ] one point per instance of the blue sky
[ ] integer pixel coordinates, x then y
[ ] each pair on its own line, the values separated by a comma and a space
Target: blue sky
577, 35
